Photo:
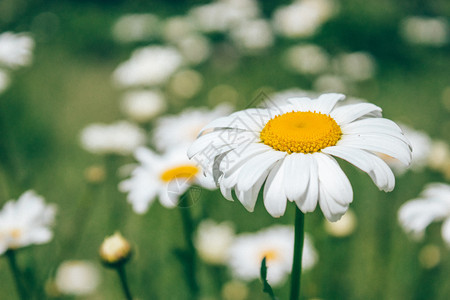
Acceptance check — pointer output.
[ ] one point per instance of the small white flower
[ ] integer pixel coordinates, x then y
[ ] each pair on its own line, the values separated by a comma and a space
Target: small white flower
277, 245
302, 18
77, 277
425, 31
222, 15
183, 129
135, 28
195, 48
165, 176
290, 148
148, 66
16, 50
25, 222
117, 138
143, 105
213, 241
433, 205
356, 66
252, 35
307, 59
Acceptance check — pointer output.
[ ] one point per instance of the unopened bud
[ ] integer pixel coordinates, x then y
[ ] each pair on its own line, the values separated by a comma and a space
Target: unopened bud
95, 174
115, 250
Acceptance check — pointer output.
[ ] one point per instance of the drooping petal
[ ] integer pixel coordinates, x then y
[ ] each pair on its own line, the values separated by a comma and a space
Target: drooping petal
368, 162
274, 196
297, 175
308, 202
331, 208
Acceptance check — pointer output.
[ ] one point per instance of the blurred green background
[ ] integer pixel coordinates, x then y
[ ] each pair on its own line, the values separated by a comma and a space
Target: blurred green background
69, 86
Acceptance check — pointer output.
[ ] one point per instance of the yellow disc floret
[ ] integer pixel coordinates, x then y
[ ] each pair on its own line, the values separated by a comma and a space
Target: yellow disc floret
302, 131
184, 171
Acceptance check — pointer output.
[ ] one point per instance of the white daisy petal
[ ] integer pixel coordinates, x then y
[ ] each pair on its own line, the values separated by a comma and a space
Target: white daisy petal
235, 159
332, 210
256, 167
446, 231
368, 162
297, 175
326, 102
376, 143
300, 103
274, 195
308, 202
333, 179
349, 113
248, 198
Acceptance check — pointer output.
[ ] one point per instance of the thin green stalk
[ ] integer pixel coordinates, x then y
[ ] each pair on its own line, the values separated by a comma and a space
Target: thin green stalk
298, 251
11, 255
191, 253
123, 281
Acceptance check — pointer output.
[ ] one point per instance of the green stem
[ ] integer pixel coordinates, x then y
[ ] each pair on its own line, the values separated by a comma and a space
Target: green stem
191, 253
11, 255
298, 251
123, 281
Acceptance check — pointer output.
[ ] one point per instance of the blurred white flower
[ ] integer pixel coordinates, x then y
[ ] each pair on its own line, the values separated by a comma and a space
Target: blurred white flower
16, 50
77, 277
439, 155
222, 14
307, 59
277, 245
213, 241
25, 221
303, 17
425, 31
342, 228
186, 84
252, 35
165, 176
195, 48
331, 83
148, 66
4, 81
421, 148
115, 250
143, 105
356, 66
135, 28
433, 205
118, 138
182, 129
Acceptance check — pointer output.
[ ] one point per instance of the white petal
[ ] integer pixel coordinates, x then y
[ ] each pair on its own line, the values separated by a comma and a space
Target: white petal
256, 167
446, 231
301, 103
248, 198
238, 157
368, 162
274, 196
377, 143
308, 202
331, 209
297, 174
333, 179
348, 113
326, 102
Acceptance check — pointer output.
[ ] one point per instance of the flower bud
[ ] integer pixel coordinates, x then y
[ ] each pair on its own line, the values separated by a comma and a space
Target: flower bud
115, 250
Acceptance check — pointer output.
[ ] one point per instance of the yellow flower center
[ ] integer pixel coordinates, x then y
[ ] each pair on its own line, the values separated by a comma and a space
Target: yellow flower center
269, 255
304, 132
185, 171
16, 233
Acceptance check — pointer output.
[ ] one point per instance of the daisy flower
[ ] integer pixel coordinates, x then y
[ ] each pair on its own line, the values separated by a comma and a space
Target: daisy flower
276, 244
168, 133
290, 148
432, 206
25, 222
77, 277
119, 138
165, 176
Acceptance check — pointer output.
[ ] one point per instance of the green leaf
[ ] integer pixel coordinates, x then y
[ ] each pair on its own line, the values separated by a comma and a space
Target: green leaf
266, 286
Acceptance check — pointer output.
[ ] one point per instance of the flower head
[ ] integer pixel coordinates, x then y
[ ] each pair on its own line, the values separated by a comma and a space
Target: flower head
165, 176
291, 149
77, 277
25, 222
433, 205
118, 138
16, 50
115, 249
276, 244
